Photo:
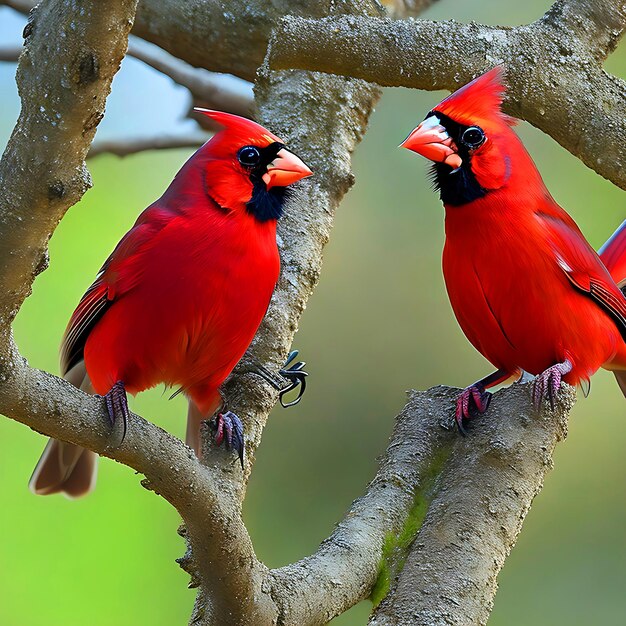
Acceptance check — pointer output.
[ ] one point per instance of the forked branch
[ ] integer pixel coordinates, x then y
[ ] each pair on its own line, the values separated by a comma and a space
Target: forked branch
553, 65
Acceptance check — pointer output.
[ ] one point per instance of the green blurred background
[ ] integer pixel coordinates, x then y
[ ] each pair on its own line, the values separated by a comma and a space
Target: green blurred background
378, 324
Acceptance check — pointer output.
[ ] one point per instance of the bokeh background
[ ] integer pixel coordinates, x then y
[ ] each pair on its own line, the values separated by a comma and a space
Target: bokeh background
378, 324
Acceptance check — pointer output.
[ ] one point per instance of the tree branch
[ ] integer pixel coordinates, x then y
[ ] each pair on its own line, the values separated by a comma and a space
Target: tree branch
21, 6
598, 24
208, 506
10, 54
209, 90
406, 8
474, 512
346, 565
554, 79
132, 145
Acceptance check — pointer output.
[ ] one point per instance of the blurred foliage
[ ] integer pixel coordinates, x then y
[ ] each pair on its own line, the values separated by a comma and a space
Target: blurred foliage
378, 324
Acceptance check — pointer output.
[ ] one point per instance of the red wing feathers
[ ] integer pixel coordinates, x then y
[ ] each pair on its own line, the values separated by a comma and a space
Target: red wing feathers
89, 310
583, 267
115, 277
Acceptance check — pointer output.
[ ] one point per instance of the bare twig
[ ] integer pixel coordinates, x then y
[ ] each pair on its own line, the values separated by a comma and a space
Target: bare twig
553, 72
132, 145
21, 6
10, 54
407, 8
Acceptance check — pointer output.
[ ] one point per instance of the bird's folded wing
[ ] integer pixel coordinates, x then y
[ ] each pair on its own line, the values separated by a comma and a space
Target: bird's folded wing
117, 276
583, 267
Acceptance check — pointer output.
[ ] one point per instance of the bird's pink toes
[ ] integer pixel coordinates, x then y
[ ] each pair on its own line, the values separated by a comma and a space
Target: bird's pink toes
547, 384
472, 399
228, 430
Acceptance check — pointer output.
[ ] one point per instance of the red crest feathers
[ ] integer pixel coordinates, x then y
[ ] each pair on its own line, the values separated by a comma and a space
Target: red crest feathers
479, 102
240, 128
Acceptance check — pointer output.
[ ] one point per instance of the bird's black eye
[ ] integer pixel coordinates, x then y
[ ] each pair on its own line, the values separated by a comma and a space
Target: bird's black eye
249, 156
473, 137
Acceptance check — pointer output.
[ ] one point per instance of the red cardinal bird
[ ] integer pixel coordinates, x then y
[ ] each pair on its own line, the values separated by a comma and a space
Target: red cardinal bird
527, 289
183, 293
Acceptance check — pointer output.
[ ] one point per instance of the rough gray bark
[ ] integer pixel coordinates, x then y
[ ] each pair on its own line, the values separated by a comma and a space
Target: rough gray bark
323, 117
554, 75
475, 511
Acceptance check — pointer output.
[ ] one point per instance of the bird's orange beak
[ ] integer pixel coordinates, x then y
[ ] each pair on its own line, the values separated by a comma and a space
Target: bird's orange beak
285, 169
431, 140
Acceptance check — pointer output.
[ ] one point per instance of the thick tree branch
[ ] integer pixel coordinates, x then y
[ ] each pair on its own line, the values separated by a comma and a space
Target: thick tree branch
475, 513
598, 24
206, 503
554, 78
346, 565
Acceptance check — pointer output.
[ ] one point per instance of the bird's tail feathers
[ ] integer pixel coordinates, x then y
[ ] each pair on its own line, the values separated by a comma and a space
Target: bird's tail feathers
620, 376
195, 416
64, 467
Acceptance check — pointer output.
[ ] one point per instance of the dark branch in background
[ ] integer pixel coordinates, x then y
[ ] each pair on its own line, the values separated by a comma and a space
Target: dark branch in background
132, 145
407, 8
553, 67
208, 89
10, 53
22, 6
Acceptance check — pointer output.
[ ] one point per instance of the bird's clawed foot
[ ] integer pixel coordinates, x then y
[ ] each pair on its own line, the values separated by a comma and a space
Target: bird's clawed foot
547, 384
228, 430
290, 377
472, 398
117, 405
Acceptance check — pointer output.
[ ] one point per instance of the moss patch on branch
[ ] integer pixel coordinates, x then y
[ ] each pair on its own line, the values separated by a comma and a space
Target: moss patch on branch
396, 545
